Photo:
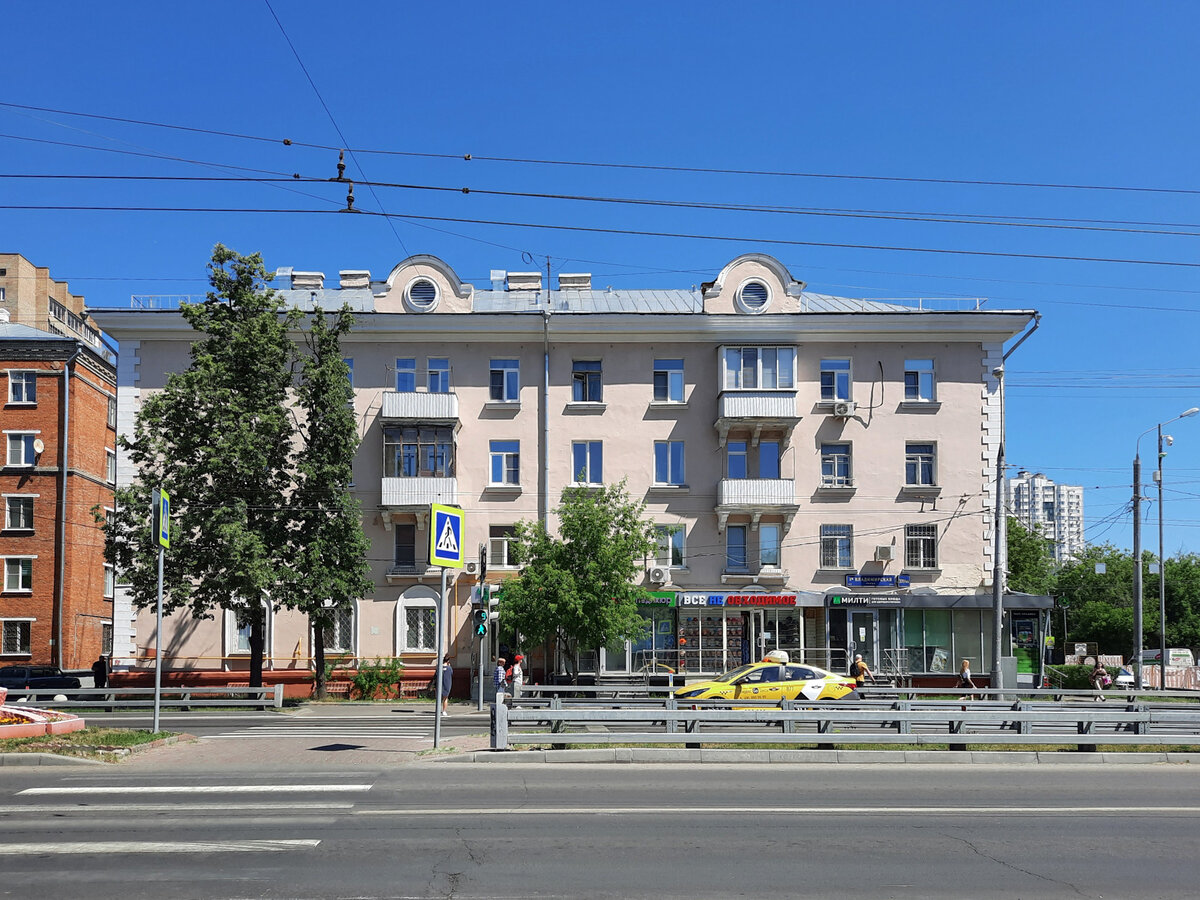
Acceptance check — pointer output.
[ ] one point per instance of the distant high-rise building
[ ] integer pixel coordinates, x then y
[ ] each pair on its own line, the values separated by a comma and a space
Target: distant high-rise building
1053, 510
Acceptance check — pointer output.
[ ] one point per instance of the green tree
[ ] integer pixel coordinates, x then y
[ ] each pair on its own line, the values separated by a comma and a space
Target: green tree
1100, 605
330, 569
577, 587
219, 438
1030, 564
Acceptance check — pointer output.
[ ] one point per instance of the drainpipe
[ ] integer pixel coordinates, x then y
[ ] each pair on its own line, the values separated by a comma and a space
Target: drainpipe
544, 449
60, 539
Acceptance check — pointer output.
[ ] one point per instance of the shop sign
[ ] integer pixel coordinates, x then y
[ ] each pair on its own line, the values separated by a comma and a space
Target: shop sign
743, 600
878, 581
865, 601
658, 598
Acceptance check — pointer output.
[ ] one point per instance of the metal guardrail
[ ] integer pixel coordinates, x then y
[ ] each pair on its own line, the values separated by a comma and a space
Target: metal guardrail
882, 722
121, 698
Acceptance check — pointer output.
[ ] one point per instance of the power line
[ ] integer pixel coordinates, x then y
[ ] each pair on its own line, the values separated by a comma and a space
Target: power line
472, 157
621, 231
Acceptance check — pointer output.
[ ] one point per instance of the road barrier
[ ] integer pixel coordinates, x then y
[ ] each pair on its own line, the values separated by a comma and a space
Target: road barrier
865, 722
132, 698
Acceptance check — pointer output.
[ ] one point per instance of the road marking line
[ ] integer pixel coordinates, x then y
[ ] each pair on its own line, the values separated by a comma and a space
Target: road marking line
197, 789
784, 810
165, 807
96, 847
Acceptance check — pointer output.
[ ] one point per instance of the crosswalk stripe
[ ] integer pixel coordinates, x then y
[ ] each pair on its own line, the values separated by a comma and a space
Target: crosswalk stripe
164, 807
194, 789
95, 847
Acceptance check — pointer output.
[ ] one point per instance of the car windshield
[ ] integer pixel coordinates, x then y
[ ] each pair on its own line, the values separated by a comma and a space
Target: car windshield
733, 673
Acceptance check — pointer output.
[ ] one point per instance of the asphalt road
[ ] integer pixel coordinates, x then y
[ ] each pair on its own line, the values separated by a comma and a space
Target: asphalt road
517, 831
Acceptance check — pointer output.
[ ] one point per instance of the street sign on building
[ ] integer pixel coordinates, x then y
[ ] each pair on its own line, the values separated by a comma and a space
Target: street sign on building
445, 536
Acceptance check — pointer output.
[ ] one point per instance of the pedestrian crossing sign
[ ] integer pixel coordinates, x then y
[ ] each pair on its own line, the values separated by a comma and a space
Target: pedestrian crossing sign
445, 536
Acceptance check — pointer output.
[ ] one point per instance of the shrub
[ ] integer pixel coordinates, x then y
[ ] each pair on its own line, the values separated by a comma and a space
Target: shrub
379, 678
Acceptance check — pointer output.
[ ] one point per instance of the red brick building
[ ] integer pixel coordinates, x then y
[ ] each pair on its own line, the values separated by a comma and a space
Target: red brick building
59, 433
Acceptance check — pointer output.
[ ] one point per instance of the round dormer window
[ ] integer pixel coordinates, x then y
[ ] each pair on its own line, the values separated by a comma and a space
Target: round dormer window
753, 296
421, 295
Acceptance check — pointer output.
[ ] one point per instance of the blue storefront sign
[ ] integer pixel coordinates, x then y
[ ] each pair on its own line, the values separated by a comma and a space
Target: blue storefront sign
891, 581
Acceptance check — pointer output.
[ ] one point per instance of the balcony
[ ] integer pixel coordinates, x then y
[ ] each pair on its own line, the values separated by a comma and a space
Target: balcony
758, 411
413, 495
423, 407
756, 497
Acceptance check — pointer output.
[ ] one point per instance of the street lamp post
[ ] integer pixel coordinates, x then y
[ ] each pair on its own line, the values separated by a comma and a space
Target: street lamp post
1137, 554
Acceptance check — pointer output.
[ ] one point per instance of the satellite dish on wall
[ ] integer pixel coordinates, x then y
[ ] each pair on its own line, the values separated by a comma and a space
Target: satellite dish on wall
38, 446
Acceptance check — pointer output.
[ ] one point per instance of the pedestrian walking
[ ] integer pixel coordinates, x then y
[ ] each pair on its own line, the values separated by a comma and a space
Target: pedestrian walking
447, 683
964, 680
518, 675
100, 672
1100, 679
499, 678
860, 672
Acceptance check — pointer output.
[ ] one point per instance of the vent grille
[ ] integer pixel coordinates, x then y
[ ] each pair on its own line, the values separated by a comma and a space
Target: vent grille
754, 295
422, 294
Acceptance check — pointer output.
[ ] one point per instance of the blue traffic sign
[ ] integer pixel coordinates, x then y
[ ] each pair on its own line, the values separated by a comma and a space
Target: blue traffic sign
446, 536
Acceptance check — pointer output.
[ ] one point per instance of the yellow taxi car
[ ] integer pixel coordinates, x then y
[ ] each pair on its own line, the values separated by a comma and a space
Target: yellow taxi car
775, 678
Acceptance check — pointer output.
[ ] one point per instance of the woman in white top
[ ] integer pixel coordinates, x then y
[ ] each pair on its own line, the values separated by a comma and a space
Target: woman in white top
518, 675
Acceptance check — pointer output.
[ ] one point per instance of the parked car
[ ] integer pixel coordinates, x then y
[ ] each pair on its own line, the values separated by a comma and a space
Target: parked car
772, 679
36, 678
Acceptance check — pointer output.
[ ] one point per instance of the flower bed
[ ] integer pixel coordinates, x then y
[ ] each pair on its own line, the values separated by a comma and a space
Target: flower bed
26, 722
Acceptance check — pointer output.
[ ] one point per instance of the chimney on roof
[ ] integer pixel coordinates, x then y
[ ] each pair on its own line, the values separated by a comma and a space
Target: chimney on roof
283, 278
524, 281
308, 281
575, 281
354, 278
497, 279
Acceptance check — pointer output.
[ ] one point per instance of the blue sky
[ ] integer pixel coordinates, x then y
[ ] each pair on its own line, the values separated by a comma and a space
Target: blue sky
1095, 94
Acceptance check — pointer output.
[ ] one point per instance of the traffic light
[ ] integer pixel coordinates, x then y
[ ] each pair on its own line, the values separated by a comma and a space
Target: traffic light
481, 620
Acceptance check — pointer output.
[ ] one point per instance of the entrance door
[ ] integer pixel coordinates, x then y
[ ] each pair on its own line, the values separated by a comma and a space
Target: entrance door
864, 637
615, 658
754, 643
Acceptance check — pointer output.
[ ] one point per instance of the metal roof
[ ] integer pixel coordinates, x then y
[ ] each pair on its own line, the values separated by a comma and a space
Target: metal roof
18, 332
637, 301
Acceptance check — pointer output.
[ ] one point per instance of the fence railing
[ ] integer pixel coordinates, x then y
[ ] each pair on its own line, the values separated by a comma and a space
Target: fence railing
122, 698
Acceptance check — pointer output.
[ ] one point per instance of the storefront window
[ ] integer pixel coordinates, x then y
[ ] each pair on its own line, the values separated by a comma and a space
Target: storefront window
937, 641
914, 639
967, 641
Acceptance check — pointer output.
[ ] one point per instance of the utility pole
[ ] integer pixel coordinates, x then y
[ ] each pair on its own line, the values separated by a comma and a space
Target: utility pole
1137, 571
1162, 572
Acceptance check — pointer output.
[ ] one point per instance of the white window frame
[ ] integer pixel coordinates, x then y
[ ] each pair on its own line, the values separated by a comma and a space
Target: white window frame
672, 544
437, 369
923, 377
500, 547
916, 544
422, 598
27, 378
112, 412
28, 455
830, 476
509, 387
17, 621
667, 464
839, 370
409, 369
671, 372
784, 376
593, 454
507, 456
232, 630
763, 528
590, 377
110, 581
8, 508
20, 571
917, 462
743, 453
352, 649
835, 539
744, 565
110, 466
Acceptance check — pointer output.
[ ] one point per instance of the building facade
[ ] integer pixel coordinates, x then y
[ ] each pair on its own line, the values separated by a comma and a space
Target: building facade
59, 425
1053, 510
33, 298
822, 468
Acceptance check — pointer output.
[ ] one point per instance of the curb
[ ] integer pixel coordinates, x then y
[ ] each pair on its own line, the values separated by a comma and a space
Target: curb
814, 757
56, 759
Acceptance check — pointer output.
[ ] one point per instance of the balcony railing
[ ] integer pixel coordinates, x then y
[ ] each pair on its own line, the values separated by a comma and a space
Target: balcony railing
74, 323
758, 411
419, 406
756, 497
419, 492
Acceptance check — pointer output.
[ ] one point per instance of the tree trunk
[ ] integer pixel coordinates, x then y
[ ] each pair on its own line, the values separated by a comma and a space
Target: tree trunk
318, 657
257, 642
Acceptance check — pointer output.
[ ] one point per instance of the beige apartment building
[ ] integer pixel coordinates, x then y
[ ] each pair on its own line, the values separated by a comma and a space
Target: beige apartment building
823, 468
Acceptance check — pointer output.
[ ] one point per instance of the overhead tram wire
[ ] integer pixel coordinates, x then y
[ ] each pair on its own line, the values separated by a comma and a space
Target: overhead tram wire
1154, 228
473, 157
584, 229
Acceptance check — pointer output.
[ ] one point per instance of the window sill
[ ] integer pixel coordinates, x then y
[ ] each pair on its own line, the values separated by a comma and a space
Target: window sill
837, 571
24, 403
588, 485
587, 407
837, 488
920, 405
921, 491
502, 489
670, 489
502, 404
919, 573
17, 592
17, 655
668, 404
17, 531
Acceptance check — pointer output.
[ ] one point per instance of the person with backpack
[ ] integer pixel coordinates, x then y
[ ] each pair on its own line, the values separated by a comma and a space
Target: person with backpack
964, 680
860, 673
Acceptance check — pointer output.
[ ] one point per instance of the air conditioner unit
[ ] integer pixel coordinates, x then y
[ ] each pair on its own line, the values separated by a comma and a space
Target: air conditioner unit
885, 553
471, 567
658, 574
844, 408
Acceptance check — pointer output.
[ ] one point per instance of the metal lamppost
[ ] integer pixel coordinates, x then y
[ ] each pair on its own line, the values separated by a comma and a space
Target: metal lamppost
1137, 549
1162, 563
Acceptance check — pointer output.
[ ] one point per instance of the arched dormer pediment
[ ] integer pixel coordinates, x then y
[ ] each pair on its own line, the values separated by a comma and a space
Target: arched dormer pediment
752, 284
423, 283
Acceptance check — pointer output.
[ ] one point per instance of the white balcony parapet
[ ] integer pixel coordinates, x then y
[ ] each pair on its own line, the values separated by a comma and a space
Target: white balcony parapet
420, 406
756, 497
418, 492
757, 410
